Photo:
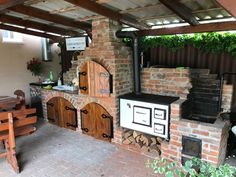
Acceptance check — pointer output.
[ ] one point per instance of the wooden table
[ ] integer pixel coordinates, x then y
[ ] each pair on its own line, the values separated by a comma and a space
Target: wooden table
7, 102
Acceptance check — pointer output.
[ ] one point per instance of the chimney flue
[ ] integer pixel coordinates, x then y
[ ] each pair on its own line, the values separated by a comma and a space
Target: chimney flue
136, 63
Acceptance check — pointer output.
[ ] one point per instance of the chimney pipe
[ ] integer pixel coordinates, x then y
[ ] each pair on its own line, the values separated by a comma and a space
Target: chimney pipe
136, 63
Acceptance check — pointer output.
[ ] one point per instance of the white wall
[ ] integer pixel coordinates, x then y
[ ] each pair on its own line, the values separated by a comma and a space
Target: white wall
13, 59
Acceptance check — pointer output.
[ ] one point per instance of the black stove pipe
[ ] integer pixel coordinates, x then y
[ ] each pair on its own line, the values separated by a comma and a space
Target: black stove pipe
136, 63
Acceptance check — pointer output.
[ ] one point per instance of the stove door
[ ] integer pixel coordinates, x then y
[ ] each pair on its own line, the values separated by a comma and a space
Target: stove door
142, 116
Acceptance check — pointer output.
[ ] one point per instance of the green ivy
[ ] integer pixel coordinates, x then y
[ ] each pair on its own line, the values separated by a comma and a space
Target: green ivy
208, 42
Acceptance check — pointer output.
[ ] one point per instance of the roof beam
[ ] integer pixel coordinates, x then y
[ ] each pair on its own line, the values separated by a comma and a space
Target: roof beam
209, 27
181, 10
4, 4
36, 25
30, 32
228, 5
44, 15
104, 11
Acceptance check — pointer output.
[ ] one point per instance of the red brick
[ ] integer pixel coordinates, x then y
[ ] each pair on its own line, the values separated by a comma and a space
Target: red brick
200, 132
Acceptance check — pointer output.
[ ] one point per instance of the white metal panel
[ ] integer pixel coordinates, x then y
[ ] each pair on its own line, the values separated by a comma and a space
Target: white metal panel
158, 123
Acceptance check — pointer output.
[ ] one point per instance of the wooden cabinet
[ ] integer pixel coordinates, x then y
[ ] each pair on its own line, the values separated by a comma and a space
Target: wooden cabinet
96, 122
62, 113
94, 80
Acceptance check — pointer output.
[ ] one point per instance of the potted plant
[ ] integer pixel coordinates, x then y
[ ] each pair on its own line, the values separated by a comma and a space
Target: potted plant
192, 168
35, 66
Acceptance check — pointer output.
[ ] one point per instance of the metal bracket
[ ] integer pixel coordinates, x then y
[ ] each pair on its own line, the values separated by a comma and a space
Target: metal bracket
71, 125
84, 111
106, 136
50, 104
104, 116
52, 120
71, 109
83, 88
85, 129
83, 73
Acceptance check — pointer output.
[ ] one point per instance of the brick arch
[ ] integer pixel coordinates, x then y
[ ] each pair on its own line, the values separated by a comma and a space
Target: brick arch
106, 106
58, 94
97, 60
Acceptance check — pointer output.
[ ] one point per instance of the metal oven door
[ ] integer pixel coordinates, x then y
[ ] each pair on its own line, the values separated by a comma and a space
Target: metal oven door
142, 116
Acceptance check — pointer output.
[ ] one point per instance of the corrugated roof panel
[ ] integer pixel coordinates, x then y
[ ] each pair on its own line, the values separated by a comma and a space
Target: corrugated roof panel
52, 5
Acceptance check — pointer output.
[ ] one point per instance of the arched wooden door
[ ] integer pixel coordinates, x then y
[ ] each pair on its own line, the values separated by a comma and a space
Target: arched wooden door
62, 113
53, 111
96, 122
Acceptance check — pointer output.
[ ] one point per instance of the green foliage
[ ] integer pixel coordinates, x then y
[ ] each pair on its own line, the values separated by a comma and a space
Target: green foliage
208, 42
192, 168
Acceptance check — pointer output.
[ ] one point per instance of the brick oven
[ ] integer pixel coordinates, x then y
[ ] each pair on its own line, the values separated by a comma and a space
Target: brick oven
109, 52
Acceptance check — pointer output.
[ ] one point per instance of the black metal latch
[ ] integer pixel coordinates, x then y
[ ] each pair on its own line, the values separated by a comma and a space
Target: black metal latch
52, 120
71, 109
106, 135
50, 104
104, 116
71, 125
84, 111
85, 129
83, 88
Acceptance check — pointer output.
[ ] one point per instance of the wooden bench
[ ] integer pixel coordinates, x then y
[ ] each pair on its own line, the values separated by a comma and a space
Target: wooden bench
13, 124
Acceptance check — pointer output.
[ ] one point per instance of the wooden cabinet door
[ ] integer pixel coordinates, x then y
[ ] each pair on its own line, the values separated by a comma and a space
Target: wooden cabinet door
83, 79
94, 80
68, 115
104, 130
87, 120
53, 111
96, 122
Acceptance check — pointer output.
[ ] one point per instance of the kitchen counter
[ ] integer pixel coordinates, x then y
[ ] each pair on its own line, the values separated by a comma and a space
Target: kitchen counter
42, 84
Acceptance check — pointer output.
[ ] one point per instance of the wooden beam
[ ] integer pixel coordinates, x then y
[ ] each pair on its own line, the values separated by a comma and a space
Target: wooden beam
36, 25
209, 27
44, 15
181, 10
102, 10
4, 4
30, 32
228, 5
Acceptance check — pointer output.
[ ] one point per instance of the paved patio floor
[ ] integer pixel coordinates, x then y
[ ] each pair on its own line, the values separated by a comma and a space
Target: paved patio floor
56, 152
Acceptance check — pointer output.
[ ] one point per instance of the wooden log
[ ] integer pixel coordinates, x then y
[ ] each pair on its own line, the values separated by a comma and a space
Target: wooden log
145, 148
138, 144
146, 140
154, 141
136, 133
126, 141
131, 139
128, 134
159, 140
155, 149
137, 139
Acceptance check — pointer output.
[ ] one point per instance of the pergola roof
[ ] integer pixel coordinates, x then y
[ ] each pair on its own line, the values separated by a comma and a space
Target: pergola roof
50, 18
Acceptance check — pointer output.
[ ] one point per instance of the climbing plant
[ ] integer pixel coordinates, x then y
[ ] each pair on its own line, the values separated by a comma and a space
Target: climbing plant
208, 42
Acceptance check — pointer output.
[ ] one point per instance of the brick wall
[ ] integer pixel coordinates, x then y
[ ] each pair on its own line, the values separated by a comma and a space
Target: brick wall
112, 54
166, 81
214, 137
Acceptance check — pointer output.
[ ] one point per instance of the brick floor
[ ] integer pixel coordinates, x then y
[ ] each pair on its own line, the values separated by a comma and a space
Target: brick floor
58, 152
